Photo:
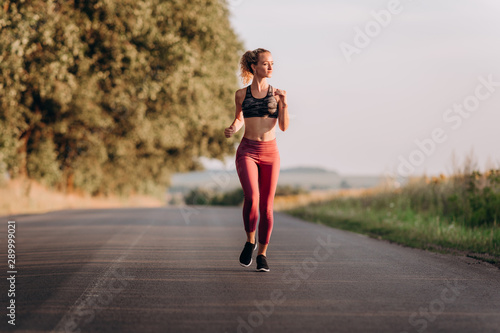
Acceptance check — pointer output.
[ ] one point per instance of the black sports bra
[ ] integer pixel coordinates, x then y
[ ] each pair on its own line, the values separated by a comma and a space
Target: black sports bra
260, 107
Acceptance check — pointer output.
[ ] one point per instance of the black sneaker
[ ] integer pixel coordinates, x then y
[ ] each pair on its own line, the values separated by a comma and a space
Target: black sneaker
246, 254
262, 263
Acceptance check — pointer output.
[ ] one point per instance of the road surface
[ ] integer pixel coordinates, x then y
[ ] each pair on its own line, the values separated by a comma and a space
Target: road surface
175, 269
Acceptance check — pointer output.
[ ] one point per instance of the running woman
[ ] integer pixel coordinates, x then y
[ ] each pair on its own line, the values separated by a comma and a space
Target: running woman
259, 107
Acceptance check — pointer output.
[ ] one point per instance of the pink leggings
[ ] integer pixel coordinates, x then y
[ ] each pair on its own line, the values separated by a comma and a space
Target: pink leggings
258, 167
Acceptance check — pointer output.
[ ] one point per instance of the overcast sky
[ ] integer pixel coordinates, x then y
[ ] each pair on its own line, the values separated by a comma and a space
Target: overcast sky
367, 80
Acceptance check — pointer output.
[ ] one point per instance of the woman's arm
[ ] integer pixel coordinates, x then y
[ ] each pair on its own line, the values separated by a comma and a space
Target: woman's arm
283, 118
238, 121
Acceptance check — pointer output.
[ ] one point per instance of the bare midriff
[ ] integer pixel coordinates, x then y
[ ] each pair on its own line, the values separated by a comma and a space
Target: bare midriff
260, 128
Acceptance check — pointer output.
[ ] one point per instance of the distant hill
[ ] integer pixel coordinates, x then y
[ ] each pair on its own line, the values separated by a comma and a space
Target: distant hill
310, 178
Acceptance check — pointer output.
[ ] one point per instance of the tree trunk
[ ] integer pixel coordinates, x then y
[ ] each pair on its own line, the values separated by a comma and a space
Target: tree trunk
70, 180
23, 153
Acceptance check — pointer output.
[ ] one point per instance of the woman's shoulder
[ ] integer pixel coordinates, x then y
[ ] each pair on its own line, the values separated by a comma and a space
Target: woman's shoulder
240, 93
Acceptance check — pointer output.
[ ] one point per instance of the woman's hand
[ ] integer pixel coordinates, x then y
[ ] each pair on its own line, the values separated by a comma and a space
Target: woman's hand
228, 132
280, 93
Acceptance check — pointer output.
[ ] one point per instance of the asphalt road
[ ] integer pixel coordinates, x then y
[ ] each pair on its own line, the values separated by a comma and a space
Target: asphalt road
176, 270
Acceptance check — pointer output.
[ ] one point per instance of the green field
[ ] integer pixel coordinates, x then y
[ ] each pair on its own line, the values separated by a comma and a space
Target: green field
459, 214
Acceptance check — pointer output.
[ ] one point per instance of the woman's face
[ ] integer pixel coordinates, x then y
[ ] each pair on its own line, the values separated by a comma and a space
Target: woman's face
264, 67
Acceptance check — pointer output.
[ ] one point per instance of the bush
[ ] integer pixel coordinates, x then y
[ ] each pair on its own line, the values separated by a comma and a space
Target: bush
201, 196
289, 190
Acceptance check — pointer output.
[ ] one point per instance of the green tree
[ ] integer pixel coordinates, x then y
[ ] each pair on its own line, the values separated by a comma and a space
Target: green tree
114, 96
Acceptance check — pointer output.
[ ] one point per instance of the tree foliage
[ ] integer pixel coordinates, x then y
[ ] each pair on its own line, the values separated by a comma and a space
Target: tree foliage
112, 96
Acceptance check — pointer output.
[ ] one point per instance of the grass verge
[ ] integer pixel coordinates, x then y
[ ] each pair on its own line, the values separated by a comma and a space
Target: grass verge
25, 196
385, 215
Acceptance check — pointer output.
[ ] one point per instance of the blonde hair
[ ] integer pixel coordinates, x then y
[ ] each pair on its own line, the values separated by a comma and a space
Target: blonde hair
249, 58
